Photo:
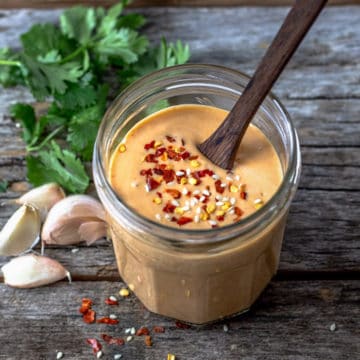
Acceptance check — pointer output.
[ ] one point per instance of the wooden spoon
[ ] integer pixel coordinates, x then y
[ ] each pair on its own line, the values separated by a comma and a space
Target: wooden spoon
222, 145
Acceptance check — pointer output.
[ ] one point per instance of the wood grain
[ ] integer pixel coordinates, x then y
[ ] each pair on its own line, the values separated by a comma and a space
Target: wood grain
288, 315
11, 4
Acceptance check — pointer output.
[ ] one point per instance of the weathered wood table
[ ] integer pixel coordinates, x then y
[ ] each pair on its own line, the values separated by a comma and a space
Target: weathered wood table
318, 283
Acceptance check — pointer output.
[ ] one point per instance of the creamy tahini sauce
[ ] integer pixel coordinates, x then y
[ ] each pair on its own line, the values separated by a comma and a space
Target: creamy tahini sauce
184, 195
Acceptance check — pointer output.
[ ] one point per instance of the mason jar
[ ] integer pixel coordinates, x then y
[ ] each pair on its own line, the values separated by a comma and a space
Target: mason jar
196, 276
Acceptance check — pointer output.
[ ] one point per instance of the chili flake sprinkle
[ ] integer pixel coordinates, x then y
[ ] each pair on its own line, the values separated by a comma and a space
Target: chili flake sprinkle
112, 340
212, 203
95, 344
158, 329
107, 320
142, 331
111, 301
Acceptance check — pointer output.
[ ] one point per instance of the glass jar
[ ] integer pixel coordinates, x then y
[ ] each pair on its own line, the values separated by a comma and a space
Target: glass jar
197, 276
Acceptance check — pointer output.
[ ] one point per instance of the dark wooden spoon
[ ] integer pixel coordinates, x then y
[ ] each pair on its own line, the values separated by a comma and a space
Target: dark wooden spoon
222, 145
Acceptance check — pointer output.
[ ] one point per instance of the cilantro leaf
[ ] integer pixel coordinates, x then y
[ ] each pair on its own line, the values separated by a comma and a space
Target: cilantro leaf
132, 21
125, 45
3, 185
78, 23
108, 22
26, 115
10, 72
57, 165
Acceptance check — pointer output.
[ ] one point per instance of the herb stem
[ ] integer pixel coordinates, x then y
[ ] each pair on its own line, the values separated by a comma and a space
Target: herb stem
10, 63
71, 56
46, 140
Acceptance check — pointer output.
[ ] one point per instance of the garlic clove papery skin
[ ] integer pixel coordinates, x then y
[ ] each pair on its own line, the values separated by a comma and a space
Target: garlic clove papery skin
92, 231
31, 270
21, 232
65, 218
43, 197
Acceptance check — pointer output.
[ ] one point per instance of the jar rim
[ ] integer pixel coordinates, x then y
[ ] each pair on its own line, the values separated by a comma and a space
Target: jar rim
202, 236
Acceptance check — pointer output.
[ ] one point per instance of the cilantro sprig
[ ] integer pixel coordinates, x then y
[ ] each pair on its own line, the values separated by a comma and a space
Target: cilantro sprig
67, 65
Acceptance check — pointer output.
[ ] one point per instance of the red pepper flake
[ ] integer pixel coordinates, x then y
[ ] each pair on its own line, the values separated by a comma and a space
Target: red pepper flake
238, 211
146, 172
94, 343
169, 208
108, 301
107, 320
112, 341
85, 305
185, 155
181, 325
148, 341
218, 187
176, 194
169, 175
193, 157
159, 151
150, 145
170, 138
220, 218
89, 316
143, 331
151, 158
184, 220
151, 183
158, 171
158, 329
173, 155
243, 195
182, 142
159, 194
173, 219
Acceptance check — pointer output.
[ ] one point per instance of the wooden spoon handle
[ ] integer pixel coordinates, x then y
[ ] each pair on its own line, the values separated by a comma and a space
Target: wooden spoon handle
222, 145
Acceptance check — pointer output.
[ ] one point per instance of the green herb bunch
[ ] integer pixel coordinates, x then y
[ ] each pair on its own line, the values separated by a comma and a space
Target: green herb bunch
68, 66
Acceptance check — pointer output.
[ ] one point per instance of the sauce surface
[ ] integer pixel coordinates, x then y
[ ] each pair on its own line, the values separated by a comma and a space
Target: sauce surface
158, 171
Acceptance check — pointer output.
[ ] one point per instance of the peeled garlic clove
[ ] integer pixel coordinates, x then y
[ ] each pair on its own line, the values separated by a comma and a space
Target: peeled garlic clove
92, 231
43, 197
31, 270
65, 218
21, 232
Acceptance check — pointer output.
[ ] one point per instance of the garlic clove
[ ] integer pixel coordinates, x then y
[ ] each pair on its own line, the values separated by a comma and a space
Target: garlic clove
21, 231
43, 197
92, 231
31, 270
65, 218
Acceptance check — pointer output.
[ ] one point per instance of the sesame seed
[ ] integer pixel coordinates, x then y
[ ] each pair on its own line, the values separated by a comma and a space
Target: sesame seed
75, 250
229, 178
158, 217
175, 202
129, 338
134, 184
216, 177
99, 354
188, 172
185, 191
17, 125
206, 192
59, 355
132, 331
237, 177
231, 212
127, 331
179, 173
212, 222
186, 208
225, 198
167, 217
219, 203
223, 185
117, 356
232, 201
202, 198
226, 328
147, 188
218, 197
112, 316
193, 202
196, 218
112, 298
171, 183
198, 210
196, 192
333, 327
187, 203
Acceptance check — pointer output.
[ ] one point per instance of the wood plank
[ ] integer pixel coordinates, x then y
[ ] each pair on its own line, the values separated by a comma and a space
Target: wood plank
291, 320
12, 4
